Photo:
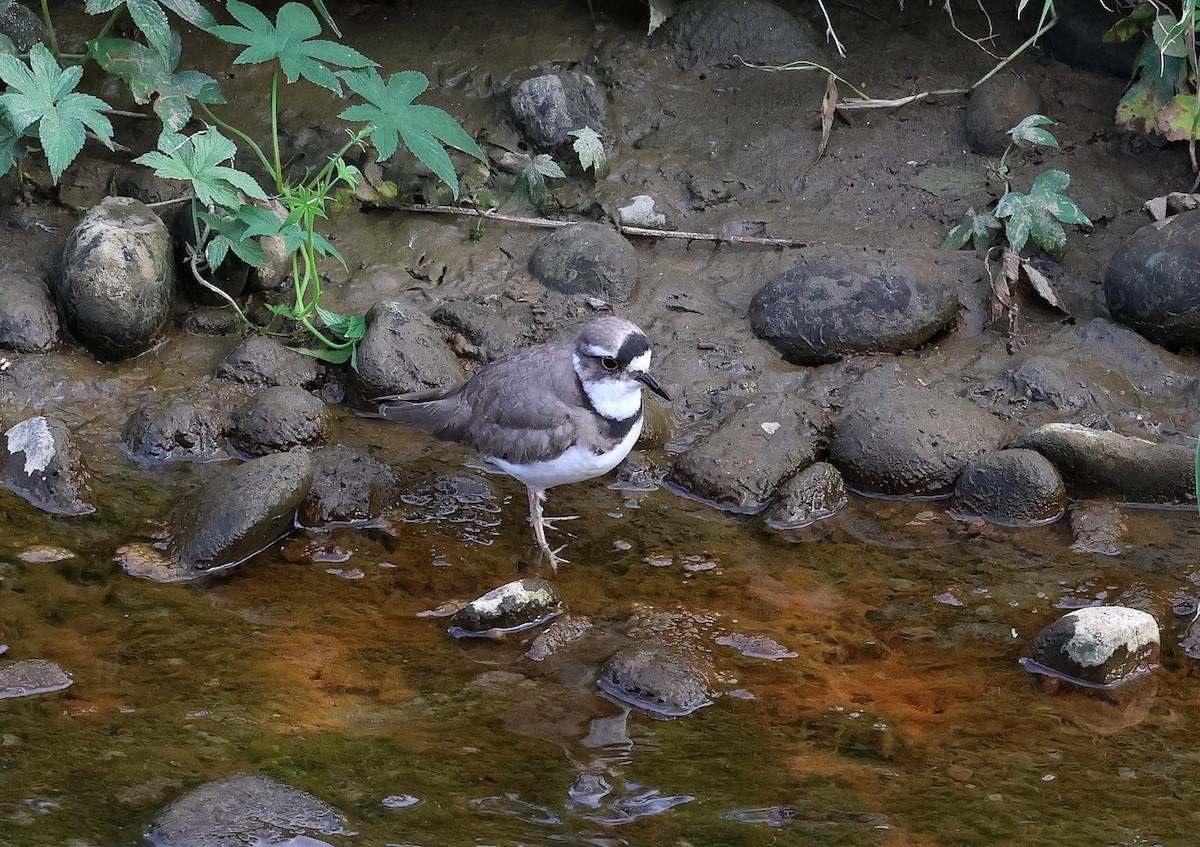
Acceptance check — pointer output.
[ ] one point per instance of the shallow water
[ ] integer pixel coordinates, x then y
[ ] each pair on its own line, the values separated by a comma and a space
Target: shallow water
903, 718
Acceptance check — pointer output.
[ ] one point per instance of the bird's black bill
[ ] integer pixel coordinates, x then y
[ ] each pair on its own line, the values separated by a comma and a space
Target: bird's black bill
650, 382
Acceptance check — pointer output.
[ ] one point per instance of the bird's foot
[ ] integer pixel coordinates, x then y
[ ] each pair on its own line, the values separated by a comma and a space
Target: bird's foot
553, 557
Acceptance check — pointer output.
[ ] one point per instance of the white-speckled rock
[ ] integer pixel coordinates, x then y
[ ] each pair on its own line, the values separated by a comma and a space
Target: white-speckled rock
1100, 646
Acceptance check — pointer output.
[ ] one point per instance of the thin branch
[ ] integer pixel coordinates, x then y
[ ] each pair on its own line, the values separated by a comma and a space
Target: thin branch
851, 105
551, 223
829, 33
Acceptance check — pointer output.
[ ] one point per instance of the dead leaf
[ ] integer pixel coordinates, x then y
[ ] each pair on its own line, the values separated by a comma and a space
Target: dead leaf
1042, 285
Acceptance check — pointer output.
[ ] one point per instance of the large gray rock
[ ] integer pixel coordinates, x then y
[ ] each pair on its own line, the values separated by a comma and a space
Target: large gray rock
21, 25
348, 487
28, 320
495, 328
240, 810
1098, 463
1011, 488
739, 464
718, 32
905, 440
40, 462
827, 308
263, 361
549, 107
239, 512
280, 418
174, 426
118, 279
402, 351
1150, 283
586, 258
1100, 646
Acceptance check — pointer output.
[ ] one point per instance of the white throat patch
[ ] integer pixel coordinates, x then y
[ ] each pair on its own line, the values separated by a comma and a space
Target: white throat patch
613, 398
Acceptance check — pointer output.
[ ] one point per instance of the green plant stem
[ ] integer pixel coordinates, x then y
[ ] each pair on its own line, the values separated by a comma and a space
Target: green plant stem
275, 128
49, 22
356, 138
108, 24
1042, 30
262, 157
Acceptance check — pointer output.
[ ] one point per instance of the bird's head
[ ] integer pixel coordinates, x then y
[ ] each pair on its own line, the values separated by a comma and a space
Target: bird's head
612, 359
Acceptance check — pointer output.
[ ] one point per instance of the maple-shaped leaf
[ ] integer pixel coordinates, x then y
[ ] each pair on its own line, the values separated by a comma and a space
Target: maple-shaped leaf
42, 93
291, 42
11, 146
229, 233
197, 160
1156, 79
1029, 132
531, 181
978, 228
589, 147
394, 117
150, 18
151, 78
1040, 214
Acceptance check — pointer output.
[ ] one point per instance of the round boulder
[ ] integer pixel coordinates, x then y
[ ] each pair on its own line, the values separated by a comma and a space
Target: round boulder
263, 361
995, 108
401, 352
239, 512
718, 32
586, 258
739, 464
32, 676
1011, 488
118, 278
548, 108
1150, 282
28, 320
278, 419
348, 487
827, 308
904, 440
816, 493
1098, 647
178, 426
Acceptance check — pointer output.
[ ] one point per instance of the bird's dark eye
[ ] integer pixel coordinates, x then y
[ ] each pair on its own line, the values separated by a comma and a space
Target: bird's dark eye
609, 363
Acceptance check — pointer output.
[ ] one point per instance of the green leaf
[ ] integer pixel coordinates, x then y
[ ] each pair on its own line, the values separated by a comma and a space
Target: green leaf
290, 41
333, 355
393, 117
546, 166
1132, 25
1029, 132
589, 147
230, 233
1179, 120
979, 228
41, 93
11, 146
149, 17
197, 160
1040, 214
531, 181
351, 328
1168, 33
7, 48
151, 78
1156, 79
660, 10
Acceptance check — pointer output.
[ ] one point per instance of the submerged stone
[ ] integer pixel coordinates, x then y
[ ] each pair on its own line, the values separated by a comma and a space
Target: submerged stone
278, 419
242, 810
662, 679
1011, 488
40, 462
401, 352
32, 676
512, 607
816, 493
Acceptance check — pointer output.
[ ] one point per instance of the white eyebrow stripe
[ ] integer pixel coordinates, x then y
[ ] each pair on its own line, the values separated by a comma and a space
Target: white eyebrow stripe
599, 352
640, 363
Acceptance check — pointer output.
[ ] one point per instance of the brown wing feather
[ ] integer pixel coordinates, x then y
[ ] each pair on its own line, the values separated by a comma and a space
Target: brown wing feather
521, 408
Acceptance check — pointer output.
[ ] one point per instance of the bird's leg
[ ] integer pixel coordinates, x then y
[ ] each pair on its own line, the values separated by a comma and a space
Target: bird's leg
539, 531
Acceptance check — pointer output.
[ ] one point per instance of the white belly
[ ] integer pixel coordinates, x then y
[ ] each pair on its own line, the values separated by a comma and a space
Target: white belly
574, 465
